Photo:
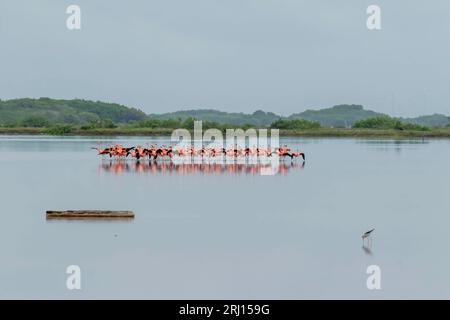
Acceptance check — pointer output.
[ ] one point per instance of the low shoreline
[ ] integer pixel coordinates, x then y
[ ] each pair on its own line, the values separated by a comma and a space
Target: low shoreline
313, 133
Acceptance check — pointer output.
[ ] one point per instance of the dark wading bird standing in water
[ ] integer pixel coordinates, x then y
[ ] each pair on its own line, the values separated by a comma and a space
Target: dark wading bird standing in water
367, 235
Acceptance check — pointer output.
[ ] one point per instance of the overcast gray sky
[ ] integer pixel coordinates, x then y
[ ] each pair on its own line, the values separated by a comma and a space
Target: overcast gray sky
283, 56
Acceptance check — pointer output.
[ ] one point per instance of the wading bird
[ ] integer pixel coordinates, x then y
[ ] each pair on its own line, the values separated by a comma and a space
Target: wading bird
367, 235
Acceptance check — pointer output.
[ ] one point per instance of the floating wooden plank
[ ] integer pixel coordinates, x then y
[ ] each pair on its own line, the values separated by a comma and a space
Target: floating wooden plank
88, 214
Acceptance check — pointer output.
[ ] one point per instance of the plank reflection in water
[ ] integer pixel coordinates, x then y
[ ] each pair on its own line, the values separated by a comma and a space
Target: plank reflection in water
119, 167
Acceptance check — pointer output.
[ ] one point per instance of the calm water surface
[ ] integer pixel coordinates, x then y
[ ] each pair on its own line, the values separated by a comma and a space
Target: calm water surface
207, 233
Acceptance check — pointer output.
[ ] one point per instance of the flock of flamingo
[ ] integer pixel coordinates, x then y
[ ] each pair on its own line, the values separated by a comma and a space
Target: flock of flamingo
154, 151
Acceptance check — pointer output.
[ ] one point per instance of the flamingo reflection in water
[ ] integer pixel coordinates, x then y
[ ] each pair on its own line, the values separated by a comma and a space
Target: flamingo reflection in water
151, 167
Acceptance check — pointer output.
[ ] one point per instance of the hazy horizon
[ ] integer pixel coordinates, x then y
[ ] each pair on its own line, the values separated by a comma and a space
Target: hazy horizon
237, 56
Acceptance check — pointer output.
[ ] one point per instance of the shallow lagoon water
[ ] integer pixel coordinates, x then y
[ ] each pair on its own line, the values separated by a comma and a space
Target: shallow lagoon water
227, 235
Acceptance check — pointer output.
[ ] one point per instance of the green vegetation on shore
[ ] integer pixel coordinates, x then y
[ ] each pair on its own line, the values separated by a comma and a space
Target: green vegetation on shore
340, 116
296, 124
45, 112
386, 122
258, 118
320, 132
82, 117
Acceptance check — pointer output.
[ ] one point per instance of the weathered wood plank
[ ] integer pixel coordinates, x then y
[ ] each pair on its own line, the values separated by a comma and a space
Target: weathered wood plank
51, 214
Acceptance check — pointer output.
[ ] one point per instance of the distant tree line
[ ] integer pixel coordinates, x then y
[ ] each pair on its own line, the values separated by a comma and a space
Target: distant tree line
45, 112
383, 122
296, 124
388, 123
55, 116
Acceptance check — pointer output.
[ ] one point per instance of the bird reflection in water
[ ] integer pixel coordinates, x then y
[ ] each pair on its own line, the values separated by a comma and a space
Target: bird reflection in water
367, 250
152, 167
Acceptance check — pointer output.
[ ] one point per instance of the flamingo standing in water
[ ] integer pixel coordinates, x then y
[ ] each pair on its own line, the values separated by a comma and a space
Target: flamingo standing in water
117, 150
103, 151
